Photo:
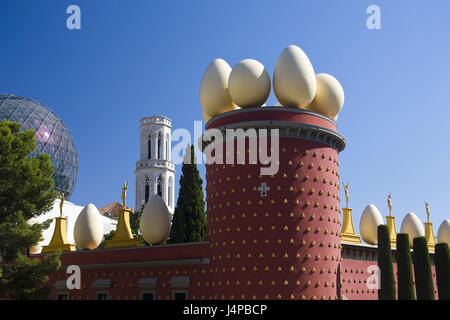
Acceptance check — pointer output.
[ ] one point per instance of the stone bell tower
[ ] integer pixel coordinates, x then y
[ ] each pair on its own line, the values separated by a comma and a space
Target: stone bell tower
155, 172
277, 236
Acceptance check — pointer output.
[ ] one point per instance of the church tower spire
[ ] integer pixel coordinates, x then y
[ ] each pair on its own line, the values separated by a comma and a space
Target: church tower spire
155, 172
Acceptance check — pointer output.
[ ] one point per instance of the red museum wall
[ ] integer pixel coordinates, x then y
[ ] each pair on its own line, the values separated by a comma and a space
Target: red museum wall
287, 243
352, 277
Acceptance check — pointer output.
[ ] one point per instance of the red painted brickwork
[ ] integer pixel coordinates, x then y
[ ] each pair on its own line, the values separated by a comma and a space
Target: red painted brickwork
109, 264
280, 114
269, 243
355, 277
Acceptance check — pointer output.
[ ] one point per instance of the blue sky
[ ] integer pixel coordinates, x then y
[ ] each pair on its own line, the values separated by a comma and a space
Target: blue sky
140, 58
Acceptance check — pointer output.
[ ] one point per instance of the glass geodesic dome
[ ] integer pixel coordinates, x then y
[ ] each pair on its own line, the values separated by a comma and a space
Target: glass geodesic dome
52, 137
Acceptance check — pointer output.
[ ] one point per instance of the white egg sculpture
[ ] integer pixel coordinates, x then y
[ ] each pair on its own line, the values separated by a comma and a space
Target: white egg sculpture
88, 229
371, 218
155, 221
214, 93
249, 84
444, 232
329, 97
412, 225
294, 79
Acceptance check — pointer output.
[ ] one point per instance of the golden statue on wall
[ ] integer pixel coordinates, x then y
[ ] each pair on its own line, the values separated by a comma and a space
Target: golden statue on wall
346, 193
124, 193
123, 237
389, 204
61, 203
427, 207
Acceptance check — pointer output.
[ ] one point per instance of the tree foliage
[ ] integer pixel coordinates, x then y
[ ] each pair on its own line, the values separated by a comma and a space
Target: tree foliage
442, 262
189, 219
26, 191
404, 268
387, 291
422, 270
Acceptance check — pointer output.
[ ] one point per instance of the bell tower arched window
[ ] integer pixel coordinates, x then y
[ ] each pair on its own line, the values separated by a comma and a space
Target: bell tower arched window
169, 192
159, 187
149, 147
147, 190
167, 147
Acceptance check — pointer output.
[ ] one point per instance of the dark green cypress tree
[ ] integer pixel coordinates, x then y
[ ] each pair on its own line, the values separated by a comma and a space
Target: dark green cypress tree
189, 219
442, 263
404, 268
422, 270
387, 291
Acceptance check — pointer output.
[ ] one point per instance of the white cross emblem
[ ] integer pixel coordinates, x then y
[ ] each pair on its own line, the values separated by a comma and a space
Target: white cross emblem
263, 189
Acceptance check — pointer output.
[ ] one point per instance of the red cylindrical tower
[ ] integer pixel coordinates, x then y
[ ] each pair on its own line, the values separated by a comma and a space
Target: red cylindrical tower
276, 236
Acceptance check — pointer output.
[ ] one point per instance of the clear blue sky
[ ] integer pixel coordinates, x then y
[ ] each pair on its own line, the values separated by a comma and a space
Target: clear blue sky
139, 58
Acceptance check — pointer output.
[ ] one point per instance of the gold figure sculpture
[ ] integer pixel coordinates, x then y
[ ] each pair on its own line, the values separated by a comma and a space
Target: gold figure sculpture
124, 193
59, 240
61, 203
346, 193
389, 205
428, 211
123, 237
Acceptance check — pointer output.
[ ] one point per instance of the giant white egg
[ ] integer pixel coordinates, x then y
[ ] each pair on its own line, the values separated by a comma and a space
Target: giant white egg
444, 232
329, 97
294, 79
249, 84
155, 221
412, 225
88, 229
214, 93
371, 218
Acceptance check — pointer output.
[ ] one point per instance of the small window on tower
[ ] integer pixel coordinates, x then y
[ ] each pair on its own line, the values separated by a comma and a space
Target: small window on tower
169, 191
147, 192
149, 155
159, 187
160, 146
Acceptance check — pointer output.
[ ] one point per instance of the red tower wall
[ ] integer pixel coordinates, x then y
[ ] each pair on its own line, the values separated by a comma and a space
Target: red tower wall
285, 245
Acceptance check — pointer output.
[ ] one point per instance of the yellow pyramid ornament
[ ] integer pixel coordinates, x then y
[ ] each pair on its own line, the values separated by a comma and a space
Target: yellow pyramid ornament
348, 233
59, 240
123, 236
391, 224
429, 234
